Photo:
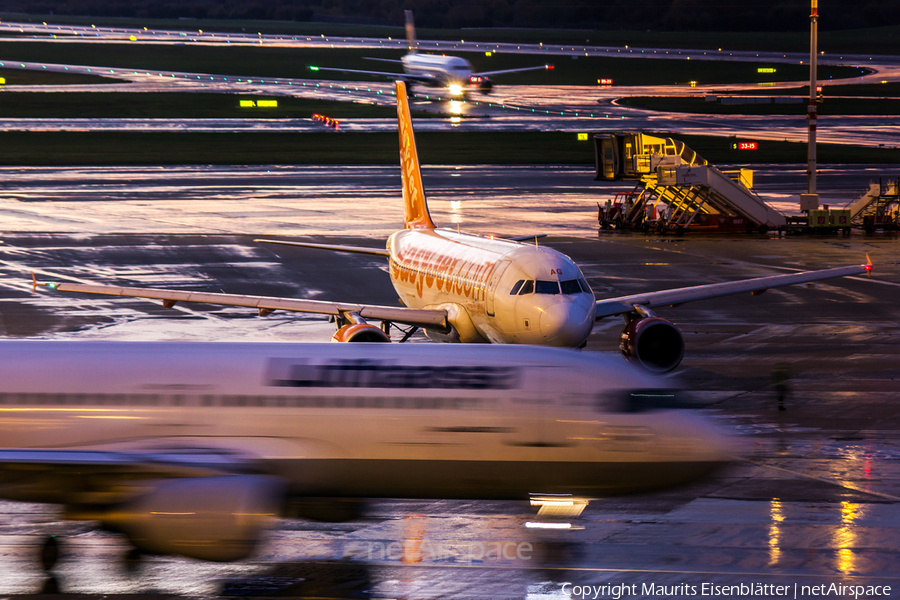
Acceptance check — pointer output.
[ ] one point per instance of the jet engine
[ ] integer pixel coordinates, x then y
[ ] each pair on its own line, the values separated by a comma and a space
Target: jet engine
483, 84
654, 343
209, 518
360, 332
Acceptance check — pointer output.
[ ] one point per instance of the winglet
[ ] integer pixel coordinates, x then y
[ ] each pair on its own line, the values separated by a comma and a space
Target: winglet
415, 207
868, 266
48, 284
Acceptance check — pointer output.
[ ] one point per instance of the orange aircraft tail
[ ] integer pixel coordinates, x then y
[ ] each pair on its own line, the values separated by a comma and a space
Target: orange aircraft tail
416, 209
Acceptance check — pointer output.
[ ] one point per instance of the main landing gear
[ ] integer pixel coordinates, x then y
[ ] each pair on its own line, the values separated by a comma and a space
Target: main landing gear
51, 550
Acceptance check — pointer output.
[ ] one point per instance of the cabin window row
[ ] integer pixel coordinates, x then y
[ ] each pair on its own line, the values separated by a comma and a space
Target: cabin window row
151, 400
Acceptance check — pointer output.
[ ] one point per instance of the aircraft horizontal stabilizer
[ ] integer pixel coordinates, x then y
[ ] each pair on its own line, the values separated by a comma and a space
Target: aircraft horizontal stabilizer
523, 238
333, 247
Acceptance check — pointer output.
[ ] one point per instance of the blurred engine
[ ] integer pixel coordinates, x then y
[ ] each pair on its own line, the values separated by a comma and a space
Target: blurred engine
483, 84
209, 518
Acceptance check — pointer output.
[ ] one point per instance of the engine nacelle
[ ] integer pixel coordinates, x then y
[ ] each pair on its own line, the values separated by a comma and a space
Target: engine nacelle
483, 84
654, 343
209, 518
360, 332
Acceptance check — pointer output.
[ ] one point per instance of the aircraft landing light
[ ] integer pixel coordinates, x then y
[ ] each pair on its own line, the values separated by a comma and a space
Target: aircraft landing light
538, 525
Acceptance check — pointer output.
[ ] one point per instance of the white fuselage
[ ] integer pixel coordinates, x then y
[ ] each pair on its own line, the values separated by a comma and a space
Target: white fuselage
474, 278
341, 420
443, 71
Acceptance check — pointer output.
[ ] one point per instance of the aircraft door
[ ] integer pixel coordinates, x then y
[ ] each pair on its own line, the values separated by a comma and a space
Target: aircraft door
492, 286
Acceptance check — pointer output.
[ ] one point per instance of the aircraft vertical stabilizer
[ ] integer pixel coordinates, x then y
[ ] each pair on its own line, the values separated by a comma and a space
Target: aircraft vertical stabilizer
416, 209
410, 31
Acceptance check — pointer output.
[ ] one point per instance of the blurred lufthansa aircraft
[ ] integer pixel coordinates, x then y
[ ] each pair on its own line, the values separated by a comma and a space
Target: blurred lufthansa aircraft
190, 449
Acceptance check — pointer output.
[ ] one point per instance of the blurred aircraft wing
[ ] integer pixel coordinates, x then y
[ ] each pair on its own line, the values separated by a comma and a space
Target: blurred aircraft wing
388, 60
519, 70
104, 477
390, 75
625, 304
426, 318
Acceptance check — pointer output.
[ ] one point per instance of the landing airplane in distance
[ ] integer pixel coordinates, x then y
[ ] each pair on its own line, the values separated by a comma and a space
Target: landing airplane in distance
453, 73
461, 287
189, 449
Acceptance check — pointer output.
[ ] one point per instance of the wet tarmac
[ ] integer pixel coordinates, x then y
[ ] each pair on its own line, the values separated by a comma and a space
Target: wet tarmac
815, 501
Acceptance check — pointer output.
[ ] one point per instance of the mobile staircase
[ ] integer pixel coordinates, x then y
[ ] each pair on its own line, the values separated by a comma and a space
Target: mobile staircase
878, 207
677, 189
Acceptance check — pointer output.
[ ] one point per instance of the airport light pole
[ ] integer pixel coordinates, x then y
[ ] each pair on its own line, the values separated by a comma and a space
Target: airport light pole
811, 111
810, 200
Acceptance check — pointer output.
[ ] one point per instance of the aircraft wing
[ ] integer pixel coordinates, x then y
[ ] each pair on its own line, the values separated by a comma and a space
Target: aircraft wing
519, 70
389, 75
756, 286
428, 318
334, 247
389, 60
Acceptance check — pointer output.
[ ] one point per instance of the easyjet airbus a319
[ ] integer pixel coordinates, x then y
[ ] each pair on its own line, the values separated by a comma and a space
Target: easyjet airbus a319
461, 287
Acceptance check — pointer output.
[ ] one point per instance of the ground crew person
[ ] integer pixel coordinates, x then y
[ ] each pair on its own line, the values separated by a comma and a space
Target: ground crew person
780, 377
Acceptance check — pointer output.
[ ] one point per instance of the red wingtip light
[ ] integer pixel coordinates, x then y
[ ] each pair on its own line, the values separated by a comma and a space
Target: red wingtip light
868, 266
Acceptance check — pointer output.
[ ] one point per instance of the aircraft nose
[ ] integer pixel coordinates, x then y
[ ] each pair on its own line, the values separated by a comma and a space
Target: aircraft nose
565, 324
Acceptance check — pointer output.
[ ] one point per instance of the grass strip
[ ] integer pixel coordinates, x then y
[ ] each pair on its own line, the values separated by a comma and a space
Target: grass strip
343, 148
830, 106
888, 89
181, 105
27, 77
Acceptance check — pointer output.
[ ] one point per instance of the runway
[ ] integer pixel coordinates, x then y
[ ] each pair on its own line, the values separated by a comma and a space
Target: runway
815, 501
508, 108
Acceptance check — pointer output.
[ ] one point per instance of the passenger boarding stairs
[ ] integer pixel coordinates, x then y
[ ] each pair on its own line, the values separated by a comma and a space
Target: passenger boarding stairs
879, 205
678, 188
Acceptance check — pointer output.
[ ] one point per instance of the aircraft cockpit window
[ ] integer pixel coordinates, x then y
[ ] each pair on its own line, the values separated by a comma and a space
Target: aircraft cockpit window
546, 287
527, 288
516, 287
570, 286
585, 287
